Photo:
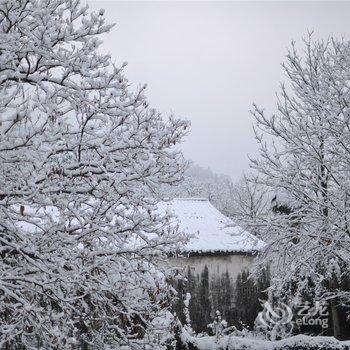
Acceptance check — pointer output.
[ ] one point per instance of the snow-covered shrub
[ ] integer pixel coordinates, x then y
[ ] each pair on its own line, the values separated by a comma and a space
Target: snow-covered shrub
218, 325
232, 342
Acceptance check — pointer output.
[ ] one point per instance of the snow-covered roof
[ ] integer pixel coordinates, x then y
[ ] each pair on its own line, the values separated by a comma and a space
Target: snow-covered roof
212, 231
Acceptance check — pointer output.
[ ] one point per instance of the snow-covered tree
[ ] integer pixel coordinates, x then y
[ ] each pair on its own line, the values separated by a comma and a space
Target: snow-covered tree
305, 161
250, 204
246, 202
202, 182
81, 243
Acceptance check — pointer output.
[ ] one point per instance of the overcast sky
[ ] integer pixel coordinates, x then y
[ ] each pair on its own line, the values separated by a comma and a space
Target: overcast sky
208, 61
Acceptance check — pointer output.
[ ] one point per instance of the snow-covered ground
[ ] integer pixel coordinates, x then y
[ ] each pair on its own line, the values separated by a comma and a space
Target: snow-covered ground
238, 343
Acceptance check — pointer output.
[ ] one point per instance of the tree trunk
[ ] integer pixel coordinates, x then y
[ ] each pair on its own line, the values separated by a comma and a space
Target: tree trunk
336, 329
335, 320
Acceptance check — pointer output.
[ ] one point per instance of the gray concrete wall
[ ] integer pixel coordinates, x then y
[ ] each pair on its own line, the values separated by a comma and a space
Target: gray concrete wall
215, 288
217, 264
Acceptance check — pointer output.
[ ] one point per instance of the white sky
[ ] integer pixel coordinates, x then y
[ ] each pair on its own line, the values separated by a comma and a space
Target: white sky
208, 61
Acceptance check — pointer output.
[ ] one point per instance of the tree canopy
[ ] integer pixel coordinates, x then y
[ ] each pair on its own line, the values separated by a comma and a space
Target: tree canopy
81, 244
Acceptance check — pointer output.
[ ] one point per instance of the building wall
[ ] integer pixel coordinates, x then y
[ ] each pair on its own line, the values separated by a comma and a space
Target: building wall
217, 265
217, 282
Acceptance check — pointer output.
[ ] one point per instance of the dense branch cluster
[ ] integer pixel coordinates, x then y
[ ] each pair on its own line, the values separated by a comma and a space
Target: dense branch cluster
81, 243
307, 165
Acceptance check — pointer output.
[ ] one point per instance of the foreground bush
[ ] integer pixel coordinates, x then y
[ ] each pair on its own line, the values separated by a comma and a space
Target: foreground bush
299, 342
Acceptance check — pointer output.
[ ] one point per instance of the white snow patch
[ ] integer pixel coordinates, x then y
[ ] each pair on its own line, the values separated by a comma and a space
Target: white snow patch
230, 342
212, 231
